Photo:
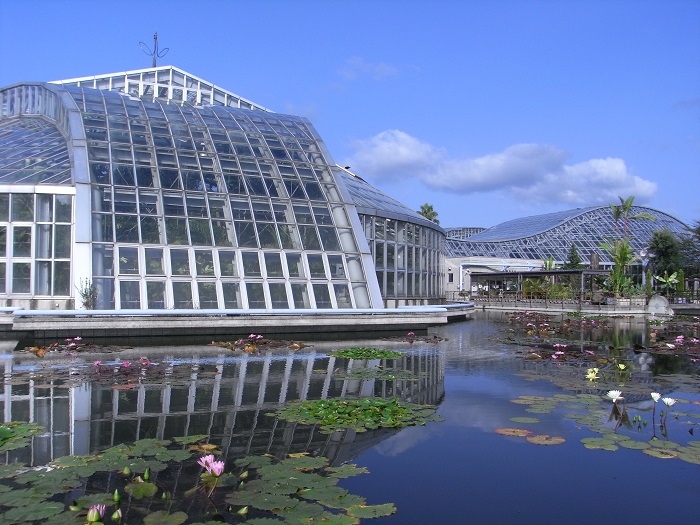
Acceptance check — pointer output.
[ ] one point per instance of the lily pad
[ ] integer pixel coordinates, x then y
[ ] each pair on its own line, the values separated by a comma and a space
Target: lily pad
661, 453
515, 432
161, 517
636, 445
544, 439
524, 420
140, 490
372, 511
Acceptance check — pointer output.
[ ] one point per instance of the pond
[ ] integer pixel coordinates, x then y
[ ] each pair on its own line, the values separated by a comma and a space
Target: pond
528, 432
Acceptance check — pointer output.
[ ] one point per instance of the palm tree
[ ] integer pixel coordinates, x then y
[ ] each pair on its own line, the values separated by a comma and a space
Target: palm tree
623, 211
427, 211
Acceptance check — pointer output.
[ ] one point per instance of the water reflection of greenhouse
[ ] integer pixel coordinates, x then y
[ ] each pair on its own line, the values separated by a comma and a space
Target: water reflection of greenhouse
227, 399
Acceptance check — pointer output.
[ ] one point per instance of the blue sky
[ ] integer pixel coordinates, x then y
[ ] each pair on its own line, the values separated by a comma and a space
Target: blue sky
488, 110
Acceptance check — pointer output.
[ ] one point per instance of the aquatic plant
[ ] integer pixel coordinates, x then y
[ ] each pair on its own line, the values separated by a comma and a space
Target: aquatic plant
366, 353
359, 414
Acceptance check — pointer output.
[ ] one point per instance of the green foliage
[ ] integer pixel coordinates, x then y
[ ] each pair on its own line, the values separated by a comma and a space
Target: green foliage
359, 414
622, 255
366, 353
573, 259
302, 489
623, 211
666, 250
427, 211
14, 434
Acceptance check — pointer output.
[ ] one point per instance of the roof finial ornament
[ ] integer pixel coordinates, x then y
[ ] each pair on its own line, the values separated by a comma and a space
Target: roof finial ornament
154, 52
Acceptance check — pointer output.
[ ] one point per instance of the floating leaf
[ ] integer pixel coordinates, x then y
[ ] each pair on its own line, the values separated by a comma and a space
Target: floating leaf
636, 445
516, 432
524, 420
372, 511
544, 439
33, 511
161, 517
186, 440
661, 453
140, 490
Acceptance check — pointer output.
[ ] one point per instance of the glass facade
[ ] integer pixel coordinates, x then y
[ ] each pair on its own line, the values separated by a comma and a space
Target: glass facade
553, 234
164, 191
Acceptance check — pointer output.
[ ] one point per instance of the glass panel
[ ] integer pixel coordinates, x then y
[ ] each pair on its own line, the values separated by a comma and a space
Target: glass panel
3, 276
64, 208
155, 294
200, 234
204, 263
335, 262
3, 241
123, 175
273, 265
148, 203
43, 241
232, 295
245, 232
61, 278
342, 295
323, 298
256, 296
278, 295
129, 295
329, 238
102, 230
23, 207
126, 228
300, 293
227, 264
102, 259
316, 268
309, 238
44, 208
151, 230
176, 230
62, 243
179, 262
42, 279
182, 294
267, 233
144, 176
294, 265
223, 234
4, 207
128, 261
105, 293
21, 277
154, 261
251, 264
288, 235
22, 241
207, 295
390, 251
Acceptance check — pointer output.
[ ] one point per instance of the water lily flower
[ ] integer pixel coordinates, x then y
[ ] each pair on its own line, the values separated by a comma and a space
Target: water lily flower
97, 363
117, 515
205, 461
411, 334
615, 395
95, 513
78, 338
216, 468
621, 366
591, 352
126, 364
655, 396
669, 401
592, 374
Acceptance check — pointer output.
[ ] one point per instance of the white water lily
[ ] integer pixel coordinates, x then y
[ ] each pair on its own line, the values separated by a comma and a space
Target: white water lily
655, 396
669, 401
615, 395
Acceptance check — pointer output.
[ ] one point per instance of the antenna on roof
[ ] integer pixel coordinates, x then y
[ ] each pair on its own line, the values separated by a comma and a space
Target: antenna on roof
154, 52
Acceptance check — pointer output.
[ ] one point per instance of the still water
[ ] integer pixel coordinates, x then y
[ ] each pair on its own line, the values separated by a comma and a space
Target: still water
459, 470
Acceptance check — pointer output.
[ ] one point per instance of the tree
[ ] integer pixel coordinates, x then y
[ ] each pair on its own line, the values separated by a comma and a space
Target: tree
427, 211
573, 259
622, 255
666, 250
623, 212
690, 251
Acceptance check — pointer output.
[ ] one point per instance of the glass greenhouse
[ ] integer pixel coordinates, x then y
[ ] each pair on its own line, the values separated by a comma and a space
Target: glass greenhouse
551, 235
155, 189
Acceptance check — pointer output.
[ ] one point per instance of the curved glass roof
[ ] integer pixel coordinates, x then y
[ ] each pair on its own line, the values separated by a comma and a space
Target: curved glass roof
370, 201
552, 234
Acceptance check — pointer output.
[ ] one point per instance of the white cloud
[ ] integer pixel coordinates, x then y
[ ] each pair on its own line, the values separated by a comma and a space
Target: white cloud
536, 172
357, 67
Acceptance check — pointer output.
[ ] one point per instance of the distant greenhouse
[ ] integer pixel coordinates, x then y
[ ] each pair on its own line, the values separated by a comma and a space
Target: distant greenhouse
540, 237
